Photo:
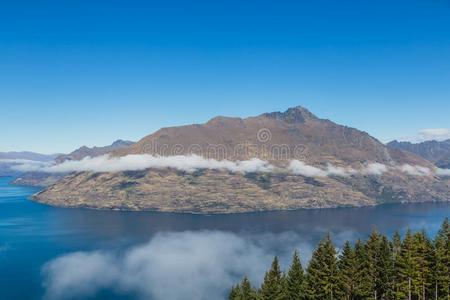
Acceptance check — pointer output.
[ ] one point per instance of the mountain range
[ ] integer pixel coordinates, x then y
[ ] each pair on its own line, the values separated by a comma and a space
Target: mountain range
279, 138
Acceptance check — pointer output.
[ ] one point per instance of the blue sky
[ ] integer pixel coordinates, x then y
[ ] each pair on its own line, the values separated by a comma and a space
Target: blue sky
78, 73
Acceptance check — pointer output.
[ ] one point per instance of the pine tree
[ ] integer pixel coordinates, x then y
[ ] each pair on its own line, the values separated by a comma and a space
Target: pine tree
243, 291
347, 267
363, 288
423, 257
322, 275
406, 268
372, 246
247, 292
235, 293
442, 261
272, 287
385, 270
396, 247
294, 279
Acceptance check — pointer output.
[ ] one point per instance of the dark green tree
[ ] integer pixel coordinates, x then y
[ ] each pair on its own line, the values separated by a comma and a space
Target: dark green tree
385, 269
347, 268
406, 268
235, 293
396, 247
322, 274
372, 249
362, 282
243, 291
273, 285
423, 261
442, 262
294, 284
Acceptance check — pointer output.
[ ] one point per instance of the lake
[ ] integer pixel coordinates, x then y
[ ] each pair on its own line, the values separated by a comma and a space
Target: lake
76, 253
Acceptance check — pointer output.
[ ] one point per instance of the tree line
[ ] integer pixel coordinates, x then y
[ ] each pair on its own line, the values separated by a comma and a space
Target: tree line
415, 267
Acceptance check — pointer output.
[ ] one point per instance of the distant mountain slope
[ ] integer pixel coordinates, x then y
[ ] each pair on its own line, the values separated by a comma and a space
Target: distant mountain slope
84, 151
277, 137
28, 156
434, 151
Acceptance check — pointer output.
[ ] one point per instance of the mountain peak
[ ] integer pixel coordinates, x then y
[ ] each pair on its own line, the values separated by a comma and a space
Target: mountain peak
119, 143
297, 114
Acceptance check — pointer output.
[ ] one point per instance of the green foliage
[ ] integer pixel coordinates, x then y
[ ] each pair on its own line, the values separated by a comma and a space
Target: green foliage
322, 273
363, 287
413, 268
243, 291
295, 279
442, 261
348, 271
273, 286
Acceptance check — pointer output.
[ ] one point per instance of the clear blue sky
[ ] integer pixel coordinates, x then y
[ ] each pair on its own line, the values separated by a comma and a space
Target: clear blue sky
78, 73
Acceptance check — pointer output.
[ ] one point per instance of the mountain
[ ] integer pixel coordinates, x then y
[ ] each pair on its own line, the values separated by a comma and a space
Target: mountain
437, 152
277, 137
9, 159
299, 131
84, 151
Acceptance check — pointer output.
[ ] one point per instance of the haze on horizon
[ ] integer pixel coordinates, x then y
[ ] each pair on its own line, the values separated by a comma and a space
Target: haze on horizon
84, 73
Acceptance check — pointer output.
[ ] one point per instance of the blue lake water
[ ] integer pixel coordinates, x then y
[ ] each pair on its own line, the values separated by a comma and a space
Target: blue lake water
32, 234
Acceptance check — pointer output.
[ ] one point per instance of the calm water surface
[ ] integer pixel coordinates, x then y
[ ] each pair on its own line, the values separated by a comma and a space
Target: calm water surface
32, 234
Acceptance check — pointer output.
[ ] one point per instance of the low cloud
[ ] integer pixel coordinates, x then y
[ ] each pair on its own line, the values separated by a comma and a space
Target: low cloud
415, 170
192, 163
374, 169
443, 172
300, 168
189, 163
183, 265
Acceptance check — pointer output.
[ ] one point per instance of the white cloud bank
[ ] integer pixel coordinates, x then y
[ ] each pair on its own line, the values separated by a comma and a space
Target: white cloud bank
443, 172
415, 170
176, 266
136, 162
192, 163
300, 168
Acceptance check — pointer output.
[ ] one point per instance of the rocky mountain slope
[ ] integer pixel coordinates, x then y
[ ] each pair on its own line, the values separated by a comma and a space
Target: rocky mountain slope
437, 152
279, 138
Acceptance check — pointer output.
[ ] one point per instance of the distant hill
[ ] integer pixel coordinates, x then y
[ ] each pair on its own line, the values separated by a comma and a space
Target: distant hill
277, 137
84, 151
434, 151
